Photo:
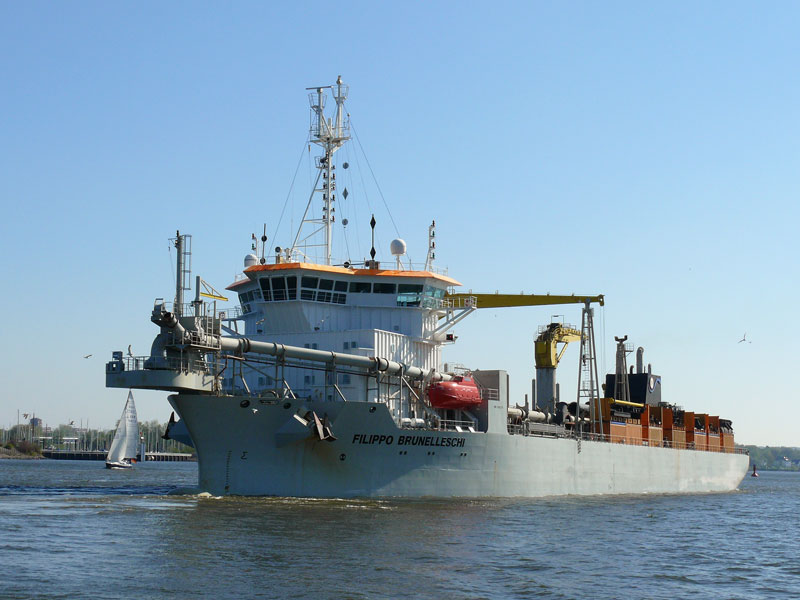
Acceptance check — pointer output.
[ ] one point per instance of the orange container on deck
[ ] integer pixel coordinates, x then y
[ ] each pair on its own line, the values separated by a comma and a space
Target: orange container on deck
656, 435
677, 437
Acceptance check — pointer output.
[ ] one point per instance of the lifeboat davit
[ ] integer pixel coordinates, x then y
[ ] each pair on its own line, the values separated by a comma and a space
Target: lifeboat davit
460, 393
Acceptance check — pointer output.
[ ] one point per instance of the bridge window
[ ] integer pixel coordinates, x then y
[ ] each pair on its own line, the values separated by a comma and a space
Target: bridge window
434, 292
246, 299
311, 284
432, 297
409, 294
384, 288
264, 282
291, 285
245, 303
360, 287
282, 288
409, 288
278, 288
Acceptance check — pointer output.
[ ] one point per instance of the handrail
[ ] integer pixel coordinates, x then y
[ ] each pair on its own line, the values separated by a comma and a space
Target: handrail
621, 439
453, 424
148, 363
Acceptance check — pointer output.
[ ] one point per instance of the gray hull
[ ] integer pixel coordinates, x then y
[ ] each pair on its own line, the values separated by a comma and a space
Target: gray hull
258, 450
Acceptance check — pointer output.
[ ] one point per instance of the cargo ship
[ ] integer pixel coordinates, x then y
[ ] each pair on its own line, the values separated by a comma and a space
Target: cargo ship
327, 379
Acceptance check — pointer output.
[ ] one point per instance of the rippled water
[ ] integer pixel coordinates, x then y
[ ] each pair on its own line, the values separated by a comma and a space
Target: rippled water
71, 529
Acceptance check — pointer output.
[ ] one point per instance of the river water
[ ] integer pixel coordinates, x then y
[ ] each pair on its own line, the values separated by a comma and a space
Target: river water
72, 529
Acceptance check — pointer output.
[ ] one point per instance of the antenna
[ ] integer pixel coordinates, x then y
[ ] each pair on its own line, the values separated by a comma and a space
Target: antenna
264, 245
431, 246
372, 263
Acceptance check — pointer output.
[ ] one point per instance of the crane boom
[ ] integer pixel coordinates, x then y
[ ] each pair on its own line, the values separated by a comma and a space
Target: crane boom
509, 300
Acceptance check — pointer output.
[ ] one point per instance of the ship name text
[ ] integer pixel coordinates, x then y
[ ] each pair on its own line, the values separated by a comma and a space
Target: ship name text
409, 440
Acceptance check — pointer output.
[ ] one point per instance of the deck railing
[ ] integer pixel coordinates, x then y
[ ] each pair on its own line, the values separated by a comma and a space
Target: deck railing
519, 429
631, 441
147, 363
456, 425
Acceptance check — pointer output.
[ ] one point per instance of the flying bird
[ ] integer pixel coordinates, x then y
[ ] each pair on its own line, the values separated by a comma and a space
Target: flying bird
744, 339
87, 356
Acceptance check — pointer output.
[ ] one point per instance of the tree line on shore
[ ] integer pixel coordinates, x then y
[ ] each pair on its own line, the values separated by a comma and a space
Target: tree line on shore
775, 458
34, 438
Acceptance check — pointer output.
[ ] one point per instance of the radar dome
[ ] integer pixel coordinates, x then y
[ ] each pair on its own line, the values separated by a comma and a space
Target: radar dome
250, 260
398, 247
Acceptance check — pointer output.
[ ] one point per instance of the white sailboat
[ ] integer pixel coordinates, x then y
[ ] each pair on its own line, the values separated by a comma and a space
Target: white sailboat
123, 448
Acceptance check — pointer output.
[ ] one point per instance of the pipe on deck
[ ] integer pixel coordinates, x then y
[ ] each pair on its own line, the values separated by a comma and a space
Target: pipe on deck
243, 345
390, 367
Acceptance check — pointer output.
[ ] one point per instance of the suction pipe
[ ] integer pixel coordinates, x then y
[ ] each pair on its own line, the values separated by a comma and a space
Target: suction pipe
244, 345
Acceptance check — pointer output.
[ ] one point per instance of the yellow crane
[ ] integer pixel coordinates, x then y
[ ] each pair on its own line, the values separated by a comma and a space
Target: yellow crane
546, 348
548, 354
498, 300
466, 302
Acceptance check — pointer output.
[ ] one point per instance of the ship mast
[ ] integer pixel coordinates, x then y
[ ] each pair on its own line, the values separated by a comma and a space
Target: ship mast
588, 389
183, 246
330, 134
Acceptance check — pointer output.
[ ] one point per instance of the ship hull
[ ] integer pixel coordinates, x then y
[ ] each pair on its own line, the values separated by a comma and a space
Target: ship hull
254, 448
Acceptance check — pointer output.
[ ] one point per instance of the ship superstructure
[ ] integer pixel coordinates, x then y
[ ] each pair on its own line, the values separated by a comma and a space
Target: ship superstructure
327, 380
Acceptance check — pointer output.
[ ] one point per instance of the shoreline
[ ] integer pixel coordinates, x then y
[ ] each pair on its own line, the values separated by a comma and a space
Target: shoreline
6, 453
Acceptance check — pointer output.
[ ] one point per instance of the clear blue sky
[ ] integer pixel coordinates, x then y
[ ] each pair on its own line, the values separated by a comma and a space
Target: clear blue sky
645, 151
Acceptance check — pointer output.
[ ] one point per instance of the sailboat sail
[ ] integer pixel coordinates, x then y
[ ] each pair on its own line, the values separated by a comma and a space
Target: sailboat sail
126, 437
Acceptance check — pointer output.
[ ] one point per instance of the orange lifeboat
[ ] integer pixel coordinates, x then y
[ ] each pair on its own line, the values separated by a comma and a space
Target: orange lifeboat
459, 393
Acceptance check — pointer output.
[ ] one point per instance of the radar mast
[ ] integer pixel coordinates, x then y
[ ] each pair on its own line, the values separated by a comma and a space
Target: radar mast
330, 134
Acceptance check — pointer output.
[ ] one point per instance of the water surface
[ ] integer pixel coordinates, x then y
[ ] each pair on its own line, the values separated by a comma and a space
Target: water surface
73, 529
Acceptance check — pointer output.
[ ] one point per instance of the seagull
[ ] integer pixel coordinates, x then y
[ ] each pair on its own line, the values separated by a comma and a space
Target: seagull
129, 350
744, 339
87, 356
255, 410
